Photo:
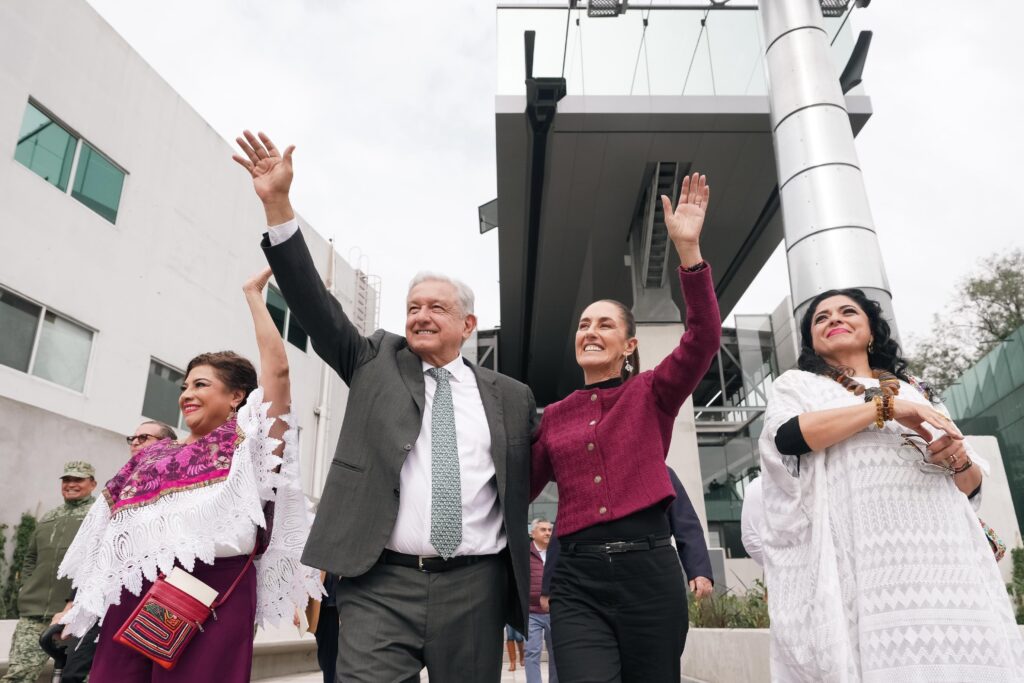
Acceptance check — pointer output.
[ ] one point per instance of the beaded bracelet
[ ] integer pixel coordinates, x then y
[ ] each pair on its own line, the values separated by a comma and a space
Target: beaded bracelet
879, 412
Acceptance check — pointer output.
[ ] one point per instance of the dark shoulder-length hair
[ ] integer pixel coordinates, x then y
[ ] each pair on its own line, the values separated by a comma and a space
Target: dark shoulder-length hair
885, 353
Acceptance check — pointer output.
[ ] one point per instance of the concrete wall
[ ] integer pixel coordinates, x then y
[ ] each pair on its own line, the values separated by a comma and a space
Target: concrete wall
163, 282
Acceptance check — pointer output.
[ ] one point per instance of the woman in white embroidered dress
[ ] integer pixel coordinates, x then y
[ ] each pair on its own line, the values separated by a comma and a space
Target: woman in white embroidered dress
876, 564
199, 503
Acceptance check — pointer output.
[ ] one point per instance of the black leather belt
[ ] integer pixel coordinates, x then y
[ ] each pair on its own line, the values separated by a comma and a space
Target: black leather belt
430, 564
613, 547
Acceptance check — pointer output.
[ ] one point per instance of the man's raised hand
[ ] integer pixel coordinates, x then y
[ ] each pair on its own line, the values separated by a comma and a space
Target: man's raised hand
271, 174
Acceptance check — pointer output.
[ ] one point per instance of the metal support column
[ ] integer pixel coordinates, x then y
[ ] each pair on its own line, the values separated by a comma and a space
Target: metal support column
830, 235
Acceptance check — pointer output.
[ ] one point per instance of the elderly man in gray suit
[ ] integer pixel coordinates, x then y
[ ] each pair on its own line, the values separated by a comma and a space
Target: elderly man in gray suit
424, 511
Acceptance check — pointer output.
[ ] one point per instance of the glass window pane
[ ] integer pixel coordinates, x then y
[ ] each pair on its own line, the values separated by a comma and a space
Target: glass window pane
45, 147
18, 322
296, 335
278, 308
163, 386
63, 354
98, 183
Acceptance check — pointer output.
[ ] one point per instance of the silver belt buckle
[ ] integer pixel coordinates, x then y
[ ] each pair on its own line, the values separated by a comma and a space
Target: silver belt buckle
616, 547
419, 560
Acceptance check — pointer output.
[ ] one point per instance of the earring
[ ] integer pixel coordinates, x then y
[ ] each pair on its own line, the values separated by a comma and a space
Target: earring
871, 345
628, 367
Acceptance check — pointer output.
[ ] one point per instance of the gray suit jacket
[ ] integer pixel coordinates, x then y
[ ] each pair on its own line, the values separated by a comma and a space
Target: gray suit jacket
382, 421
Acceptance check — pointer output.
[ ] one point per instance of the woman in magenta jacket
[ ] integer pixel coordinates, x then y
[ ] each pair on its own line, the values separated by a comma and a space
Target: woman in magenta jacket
618, 598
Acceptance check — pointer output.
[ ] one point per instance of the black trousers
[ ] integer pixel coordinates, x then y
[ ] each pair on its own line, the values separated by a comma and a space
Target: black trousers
80, 654
327, 641
620, 617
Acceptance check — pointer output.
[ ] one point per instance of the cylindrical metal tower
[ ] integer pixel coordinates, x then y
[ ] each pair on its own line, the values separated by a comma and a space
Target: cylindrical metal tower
830, 236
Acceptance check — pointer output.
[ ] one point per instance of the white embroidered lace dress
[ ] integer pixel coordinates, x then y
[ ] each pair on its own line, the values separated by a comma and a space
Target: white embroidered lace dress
875, 570
111, 552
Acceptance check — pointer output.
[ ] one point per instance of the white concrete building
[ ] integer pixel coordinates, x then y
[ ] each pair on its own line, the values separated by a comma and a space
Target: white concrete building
127, 234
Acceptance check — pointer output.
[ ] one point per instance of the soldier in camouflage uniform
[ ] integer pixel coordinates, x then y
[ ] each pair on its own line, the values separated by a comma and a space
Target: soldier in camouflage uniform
42, 595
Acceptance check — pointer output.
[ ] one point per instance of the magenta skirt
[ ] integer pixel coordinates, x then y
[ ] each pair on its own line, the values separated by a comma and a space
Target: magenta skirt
221, 653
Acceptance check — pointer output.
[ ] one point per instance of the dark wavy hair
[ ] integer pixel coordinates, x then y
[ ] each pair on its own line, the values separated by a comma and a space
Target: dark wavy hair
234, 370
627, 317
885, 353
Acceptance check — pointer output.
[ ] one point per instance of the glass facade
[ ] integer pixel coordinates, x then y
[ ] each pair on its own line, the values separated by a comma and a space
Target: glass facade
163, 386
42, 343
989, 400
98, 183
48, 149
728, 409
663, 50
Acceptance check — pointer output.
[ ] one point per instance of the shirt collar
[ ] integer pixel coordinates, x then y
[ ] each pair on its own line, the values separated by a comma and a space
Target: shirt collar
457, 368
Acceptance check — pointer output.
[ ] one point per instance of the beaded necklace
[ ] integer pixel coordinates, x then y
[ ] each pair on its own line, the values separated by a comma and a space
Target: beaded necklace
883, 395
888, 384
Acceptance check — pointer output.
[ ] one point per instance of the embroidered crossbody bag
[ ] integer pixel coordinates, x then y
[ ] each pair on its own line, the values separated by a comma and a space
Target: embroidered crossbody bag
167, 619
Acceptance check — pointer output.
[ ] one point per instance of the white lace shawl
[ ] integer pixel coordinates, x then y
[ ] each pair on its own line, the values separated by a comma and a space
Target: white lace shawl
111, 553
826, 597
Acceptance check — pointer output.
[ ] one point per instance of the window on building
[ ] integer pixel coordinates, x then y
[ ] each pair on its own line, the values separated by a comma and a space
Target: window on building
163, 386
40, 342
286, 324
48, 148
98, 183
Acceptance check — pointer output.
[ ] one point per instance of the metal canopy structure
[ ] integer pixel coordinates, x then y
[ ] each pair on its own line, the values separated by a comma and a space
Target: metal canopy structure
574, 226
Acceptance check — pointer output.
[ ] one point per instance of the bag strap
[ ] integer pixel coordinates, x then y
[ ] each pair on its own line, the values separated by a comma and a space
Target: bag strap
221, 599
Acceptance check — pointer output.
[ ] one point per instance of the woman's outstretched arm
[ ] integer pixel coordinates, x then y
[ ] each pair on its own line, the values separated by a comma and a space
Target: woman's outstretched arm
273, 374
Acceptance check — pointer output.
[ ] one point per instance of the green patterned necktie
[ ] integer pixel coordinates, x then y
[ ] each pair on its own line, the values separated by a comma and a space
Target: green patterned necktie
445, 480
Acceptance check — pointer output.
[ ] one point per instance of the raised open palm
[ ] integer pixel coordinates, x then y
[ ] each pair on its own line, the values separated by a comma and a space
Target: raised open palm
685, 222
271, 173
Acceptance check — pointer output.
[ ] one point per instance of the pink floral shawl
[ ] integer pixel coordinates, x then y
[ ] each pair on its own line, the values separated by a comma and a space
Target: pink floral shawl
169, 466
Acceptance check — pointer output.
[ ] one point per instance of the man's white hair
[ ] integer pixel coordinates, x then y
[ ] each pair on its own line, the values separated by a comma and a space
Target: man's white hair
462, 291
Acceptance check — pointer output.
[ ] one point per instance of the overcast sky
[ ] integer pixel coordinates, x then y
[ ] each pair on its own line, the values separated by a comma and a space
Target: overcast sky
391, 108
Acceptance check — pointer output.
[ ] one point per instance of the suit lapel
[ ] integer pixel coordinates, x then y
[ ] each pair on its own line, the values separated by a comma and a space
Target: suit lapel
411, 367
491, 398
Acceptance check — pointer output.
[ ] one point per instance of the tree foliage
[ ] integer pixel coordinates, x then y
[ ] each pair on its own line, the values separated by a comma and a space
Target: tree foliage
988, 307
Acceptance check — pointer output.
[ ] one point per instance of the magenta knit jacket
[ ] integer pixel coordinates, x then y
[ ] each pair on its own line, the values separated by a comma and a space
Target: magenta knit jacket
606, 448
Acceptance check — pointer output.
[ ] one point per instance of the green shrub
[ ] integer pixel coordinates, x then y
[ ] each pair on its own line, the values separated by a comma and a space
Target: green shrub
731, 610
1016, 585
22, 539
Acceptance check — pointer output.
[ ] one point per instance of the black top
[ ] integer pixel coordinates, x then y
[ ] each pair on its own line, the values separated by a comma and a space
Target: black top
606, 384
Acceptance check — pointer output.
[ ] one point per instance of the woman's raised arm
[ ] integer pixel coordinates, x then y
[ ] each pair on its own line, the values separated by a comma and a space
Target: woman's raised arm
273, 360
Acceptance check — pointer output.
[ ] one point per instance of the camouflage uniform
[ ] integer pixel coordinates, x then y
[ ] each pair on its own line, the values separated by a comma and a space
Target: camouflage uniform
42, 595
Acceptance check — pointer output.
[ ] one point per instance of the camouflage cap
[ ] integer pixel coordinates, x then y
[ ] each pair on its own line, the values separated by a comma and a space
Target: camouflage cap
78, 468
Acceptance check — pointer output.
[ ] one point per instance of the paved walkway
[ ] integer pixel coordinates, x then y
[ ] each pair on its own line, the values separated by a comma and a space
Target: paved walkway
517, 676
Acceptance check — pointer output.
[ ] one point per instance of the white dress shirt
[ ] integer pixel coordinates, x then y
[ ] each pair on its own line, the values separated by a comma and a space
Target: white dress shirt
483, 531
752, 520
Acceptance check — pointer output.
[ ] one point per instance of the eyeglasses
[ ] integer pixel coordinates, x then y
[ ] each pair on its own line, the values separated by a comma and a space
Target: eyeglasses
140, 438
914, 448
